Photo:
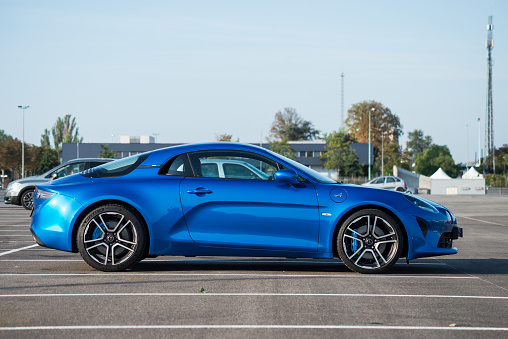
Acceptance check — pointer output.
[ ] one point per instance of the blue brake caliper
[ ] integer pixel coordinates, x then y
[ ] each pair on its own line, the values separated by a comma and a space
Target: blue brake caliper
97, 232
354, 243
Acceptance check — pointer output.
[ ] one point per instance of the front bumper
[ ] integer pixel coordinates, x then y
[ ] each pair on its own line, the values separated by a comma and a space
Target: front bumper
11, 198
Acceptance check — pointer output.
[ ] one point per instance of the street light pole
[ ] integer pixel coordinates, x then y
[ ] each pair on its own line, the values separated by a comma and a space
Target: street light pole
382, 154
479, 144
23, 143
467, 145
371, 110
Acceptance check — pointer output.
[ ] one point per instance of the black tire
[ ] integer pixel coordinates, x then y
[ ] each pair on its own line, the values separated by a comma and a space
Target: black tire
369, 241
111, 238
27, 199
400, 189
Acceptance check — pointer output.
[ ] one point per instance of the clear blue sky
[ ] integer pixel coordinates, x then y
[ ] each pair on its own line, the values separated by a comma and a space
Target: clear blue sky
189, 70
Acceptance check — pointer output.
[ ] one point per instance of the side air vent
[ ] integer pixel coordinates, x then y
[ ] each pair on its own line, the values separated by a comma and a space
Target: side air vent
423, 226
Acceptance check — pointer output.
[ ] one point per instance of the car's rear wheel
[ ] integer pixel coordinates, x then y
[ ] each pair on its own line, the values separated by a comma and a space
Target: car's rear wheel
27, 199
369, 241
111, 238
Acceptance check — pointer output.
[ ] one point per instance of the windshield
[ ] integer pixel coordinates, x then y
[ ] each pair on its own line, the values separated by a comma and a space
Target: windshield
310, 172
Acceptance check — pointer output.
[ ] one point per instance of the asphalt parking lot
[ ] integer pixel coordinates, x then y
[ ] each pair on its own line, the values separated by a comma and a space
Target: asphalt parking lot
48, 293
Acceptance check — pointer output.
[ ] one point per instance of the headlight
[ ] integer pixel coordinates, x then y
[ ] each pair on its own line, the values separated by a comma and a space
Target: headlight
41, 194
421, 203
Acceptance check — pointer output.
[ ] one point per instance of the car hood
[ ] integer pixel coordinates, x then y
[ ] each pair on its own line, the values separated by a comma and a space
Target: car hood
31, 180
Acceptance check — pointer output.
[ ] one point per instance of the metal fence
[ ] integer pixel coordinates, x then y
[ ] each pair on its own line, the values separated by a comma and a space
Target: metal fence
353, 180
497, 190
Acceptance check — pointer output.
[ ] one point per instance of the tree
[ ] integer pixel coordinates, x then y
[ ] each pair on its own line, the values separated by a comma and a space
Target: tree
430, 161
3, 135
417, 142
283, 148
49, 159
106, 152
383, 121
339, 155
45, 143
288, 125
65, 130
225, 137
392, 156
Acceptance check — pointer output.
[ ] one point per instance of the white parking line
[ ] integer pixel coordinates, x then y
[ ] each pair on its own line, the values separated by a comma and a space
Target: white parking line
487, 222
331, 275
291, 327
18, 249
211, 294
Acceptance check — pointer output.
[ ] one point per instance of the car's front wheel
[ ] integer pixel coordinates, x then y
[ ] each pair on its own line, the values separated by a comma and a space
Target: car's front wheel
369, 241
27, 199
111, 238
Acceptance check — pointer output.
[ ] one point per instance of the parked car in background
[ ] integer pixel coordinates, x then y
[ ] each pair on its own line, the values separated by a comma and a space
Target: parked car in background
20, 192
387, 182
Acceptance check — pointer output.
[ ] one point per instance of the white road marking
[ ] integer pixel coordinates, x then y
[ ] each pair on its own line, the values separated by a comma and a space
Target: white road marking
331, 275
296, 327
18, 249
487, 222
211, 294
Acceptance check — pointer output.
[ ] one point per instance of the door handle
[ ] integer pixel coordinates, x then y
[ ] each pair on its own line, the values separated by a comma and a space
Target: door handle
199, 190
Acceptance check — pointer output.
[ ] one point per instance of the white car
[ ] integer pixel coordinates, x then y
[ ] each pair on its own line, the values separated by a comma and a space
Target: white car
232, 169
388, 182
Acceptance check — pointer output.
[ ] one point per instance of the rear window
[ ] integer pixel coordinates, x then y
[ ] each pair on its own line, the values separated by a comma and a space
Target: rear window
120, 167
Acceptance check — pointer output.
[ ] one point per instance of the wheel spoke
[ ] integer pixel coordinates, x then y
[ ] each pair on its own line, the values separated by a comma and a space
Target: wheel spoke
106, 256
123, 246
94, 240
95, 246
380, 255
103, 223
385, 242
384, 236
126, 241
123, 227
119, 223
358, 250
373, 232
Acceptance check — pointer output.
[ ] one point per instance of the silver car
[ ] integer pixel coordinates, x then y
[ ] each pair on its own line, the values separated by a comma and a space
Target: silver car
20, 192
388, 182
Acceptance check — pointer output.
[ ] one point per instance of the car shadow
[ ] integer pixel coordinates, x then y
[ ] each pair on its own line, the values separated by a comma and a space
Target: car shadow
431, 266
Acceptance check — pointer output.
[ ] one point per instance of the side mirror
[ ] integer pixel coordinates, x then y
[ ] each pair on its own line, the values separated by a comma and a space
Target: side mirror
286, 176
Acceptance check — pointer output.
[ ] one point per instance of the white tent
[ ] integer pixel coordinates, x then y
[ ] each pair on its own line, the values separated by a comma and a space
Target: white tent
472, 173
440, 174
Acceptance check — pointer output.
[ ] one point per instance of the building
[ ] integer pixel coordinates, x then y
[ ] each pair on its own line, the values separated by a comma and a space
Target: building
307, 152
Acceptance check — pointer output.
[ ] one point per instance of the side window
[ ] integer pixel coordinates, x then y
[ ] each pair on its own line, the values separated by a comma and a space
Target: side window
93, 164
178, 166
380, 181
232, 165
210, 170
390, 180
70, 169
238, 171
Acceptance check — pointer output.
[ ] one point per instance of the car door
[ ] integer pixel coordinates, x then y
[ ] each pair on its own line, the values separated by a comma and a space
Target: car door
390, 183
248, 211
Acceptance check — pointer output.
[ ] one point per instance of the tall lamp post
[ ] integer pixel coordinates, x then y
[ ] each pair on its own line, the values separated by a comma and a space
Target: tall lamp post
382, 153
371, 110
23, 143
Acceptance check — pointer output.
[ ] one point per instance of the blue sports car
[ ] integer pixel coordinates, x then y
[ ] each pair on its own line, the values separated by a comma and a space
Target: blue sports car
229, 199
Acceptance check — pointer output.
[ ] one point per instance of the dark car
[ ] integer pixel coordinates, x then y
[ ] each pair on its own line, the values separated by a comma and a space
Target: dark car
20, 192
